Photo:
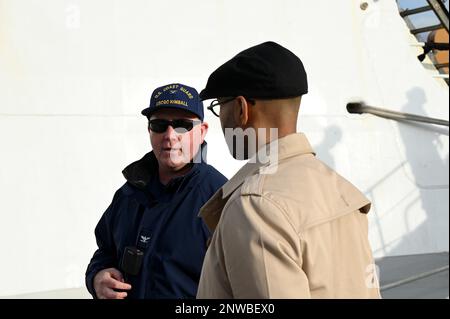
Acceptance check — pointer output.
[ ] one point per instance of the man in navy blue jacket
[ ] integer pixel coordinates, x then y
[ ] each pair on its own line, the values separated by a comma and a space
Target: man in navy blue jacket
151, 243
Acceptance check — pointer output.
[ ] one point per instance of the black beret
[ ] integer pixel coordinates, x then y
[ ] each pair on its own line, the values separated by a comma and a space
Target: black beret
265, 71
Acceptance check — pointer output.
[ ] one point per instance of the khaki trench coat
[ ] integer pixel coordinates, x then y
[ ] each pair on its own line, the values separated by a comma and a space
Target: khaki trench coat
290, 228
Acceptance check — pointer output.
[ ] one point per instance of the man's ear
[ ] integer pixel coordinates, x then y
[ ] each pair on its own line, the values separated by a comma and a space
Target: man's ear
204, 129
241, 111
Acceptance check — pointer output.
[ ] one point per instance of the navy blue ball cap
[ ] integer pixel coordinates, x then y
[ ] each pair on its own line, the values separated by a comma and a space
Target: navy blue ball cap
265, 71
175, 96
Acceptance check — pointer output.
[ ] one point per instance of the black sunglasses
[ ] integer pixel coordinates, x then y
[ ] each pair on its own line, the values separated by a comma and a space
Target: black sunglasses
179, 125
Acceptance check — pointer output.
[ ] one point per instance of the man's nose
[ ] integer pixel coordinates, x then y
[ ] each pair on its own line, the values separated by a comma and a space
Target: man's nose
170, 133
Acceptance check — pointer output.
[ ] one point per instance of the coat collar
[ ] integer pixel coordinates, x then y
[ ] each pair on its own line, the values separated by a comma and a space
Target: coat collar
288, 146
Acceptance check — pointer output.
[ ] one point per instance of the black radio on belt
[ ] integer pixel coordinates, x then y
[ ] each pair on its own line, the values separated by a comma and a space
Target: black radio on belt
132, 260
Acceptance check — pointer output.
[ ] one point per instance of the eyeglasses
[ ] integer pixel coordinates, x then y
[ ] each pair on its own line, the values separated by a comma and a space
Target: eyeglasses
179, 125
216, 102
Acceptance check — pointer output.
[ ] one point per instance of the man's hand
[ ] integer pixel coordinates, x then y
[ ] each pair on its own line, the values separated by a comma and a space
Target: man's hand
106, 281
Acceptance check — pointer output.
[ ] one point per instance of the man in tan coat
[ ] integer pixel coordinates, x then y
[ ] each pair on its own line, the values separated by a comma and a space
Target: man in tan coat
286, 225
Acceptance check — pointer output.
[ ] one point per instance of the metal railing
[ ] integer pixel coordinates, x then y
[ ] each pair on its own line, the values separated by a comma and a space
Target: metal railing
409, 12
360, 108
433, 5
440, 11
442, 14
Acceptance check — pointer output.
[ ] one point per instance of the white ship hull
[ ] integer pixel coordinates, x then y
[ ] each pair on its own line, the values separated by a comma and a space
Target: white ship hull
74, 76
